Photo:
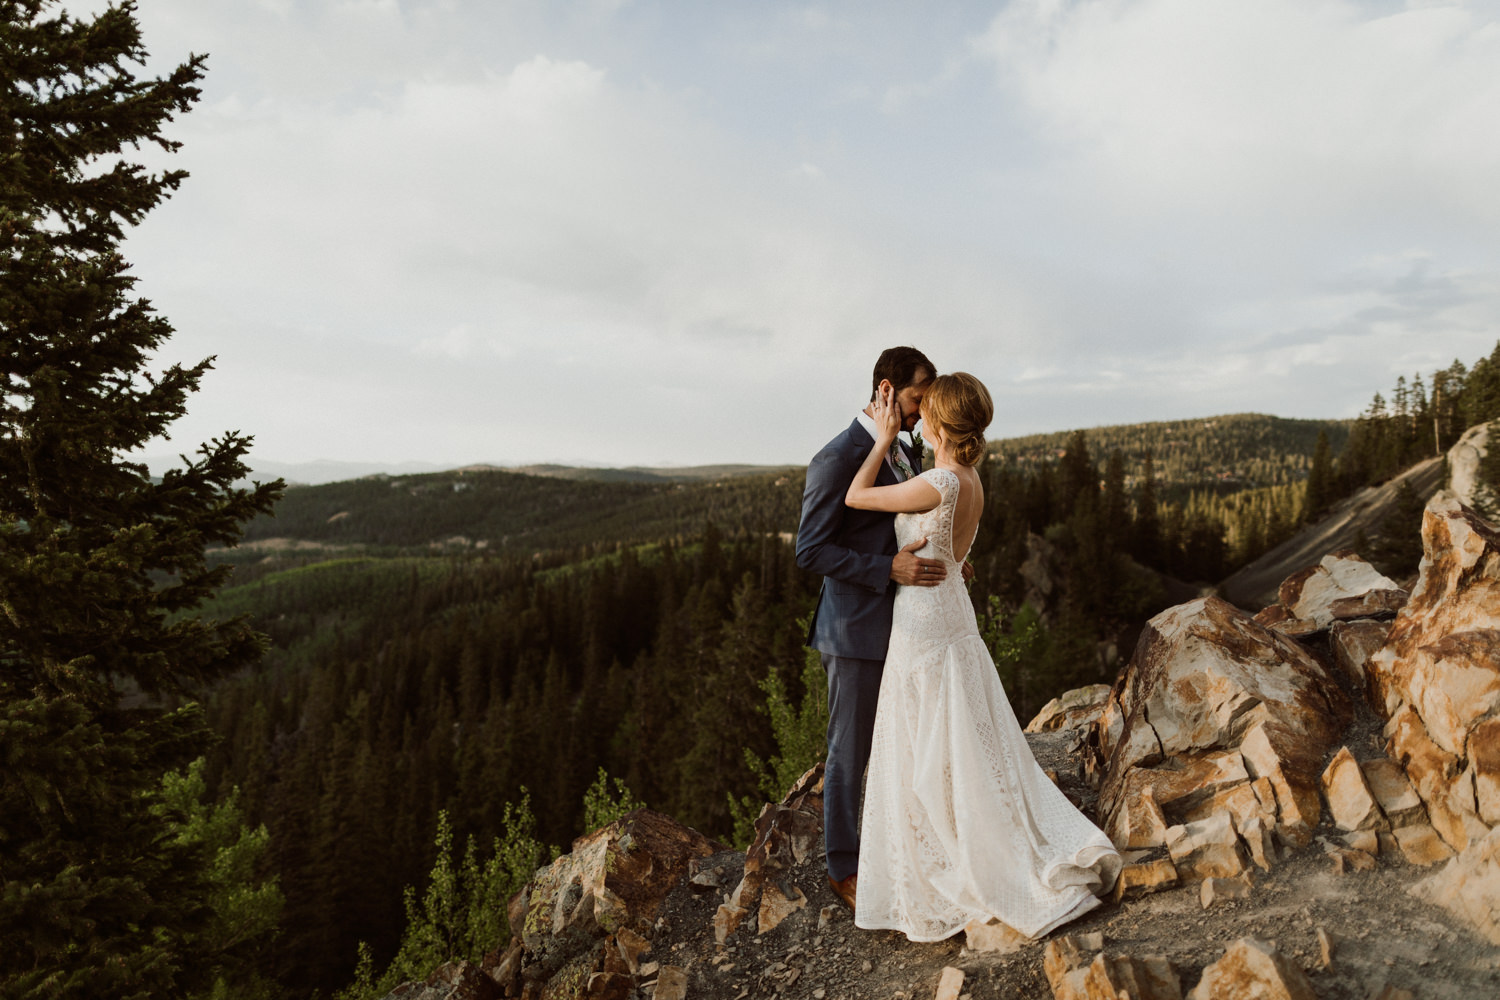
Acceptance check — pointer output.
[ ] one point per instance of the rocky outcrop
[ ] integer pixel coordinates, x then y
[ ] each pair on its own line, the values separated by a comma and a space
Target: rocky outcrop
785, 834
1041, 572
1437, 678
588, 917
451, 981
1212, 741
1464, 459
1220, 740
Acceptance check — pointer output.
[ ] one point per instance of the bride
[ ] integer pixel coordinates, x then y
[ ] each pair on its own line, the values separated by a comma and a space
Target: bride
960, 823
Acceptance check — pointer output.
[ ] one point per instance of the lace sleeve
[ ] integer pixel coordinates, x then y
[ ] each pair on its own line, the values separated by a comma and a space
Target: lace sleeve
945, 481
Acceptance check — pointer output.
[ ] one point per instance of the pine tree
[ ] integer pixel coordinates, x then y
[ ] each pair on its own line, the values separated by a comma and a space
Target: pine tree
1148, 531
1079, 478
1319, 480
99, 566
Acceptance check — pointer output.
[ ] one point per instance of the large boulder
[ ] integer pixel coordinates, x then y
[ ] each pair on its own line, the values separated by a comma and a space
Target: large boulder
1216, 715
1341, 586
1252, 969
590, 909
1073, 709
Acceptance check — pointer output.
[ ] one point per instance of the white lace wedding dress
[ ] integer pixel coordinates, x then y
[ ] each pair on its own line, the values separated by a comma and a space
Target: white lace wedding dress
959, 820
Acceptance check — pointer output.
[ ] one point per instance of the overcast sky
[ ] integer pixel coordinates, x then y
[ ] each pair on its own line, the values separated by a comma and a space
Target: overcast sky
640, 232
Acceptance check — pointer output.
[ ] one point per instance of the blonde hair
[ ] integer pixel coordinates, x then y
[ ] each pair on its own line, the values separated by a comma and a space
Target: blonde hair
961, 407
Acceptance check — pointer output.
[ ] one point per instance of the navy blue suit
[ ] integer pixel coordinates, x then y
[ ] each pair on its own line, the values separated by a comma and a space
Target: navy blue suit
851, 627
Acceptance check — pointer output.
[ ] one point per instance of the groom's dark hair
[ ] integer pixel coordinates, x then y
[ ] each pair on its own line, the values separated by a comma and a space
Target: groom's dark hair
904, 366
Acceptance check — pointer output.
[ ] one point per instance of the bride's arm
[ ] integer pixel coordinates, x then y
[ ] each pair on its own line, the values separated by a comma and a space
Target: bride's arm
916, 494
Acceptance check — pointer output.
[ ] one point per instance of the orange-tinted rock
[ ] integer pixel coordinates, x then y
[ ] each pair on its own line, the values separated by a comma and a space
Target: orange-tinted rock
1152, 977
1204, 677
1453, 683
1398, 800
1287, 769
727, 920
1208, 848
1253, 970
1469, 886
1139, 879
1438, 676
1484, 758
1255, 832
671, 984
1349, 799
1434, 774
1073, 975
1420, 845
1297, 628
1353, 644
1347, 859
1271, 614
1217, 890
778, 900
994, 937
950, 982
1180, 790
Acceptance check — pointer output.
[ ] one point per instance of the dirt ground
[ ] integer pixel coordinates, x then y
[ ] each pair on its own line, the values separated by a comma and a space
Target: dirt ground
1377, 933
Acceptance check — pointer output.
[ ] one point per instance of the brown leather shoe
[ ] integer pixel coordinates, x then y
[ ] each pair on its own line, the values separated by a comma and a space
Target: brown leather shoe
844, 889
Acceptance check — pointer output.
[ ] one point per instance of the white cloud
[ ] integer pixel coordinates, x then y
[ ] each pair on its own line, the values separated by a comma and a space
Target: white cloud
469, 231
1311, 109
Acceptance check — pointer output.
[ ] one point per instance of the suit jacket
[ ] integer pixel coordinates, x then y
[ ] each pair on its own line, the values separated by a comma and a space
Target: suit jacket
851, 549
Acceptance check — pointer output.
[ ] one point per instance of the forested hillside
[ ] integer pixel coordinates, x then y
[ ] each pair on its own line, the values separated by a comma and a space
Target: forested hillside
1224, 454
470, 640
495, 509
399, 687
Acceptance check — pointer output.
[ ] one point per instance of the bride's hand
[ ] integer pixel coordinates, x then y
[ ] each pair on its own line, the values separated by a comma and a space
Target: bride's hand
886, 413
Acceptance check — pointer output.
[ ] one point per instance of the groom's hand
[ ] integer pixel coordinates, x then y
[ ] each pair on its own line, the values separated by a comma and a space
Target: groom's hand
911, 570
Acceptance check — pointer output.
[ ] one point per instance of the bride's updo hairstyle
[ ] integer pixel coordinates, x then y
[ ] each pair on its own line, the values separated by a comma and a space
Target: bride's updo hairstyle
961, 407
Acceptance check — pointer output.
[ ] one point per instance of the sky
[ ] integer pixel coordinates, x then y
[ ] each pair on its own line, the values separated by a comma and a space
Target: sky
634, 232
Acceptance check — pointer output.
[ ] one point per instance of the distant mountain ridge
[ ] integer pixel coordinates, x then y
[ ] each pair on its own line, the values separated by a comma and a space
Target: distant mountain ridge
552, 504
1253, 447
324, 471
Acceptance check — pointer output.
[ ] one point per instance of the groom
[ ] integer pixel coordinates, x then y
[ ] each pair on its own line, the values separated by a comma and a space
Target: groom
855, 552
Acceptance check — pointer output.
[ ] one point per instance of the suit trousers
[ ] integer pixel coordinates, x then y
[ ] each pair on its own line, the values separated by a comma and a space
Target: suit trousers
853, 689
